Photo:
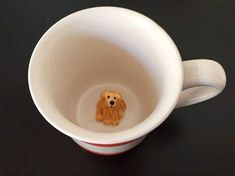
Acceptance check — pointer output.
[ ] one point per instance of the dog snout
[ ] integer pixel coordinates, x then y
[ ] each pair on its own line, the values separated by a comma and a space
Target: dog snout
111, 102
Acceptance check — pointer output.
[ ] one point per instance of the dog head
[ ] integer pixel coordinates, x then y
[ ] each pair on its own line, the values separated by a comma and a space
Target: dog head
113, 99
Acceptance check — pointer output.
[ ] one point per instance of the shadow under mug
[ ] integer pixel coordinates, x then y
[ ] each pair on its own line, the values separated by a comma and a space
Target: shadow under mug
119, 49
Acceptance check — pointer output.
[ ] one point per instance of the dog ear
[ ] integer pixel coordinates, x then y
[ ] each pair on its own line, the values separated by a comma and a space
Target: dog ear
101, 103
123, 104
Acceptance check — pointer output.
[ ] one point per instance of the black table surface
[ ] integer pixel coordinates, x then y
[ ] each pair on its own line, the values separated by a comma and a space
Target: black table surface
194, 140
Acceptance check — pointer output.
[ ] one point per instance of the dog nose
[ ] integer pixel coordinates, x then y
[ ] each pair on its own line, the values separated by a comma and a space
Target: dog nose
111, 102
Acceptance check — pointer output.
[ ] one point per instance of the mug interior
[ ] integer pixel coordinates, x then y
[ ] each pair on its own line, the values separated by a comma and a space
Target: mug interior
105, 48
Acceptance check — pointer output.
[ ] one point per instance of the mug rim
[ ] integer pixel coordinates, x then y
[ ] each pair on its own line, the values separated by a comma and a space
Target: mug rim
141, 129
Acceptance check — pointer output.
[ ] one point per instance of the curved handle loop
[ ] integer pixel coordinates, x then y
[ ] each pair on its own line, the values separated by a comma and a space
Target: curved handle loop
203, 79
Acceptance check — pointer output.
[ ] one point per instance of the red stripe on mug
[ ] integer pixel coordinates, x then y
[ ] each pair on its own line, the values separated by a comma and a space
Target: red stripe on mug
109, 145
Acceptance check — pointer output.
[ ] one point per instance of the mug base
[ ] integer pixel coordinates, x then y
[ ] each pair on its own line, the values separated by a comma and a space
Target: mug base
109, 149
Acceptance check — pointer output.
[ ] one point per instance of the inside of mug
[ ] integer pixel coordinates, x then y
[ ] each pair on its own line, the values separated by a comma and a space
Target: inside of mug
82, 55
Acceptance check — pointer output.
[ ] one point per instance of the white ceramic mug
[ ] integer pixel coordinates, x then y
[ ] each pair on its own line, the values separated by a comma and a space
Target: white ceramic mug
117, 49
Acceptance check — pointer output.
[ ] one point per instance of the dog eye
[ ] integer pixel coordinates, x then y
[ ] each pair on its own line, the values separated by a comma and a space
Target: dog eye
108, 96
114, 97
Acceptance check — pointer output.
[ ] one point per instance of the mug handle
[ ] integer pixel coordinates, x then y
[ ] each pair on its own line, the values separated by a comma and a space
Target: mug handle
203, 79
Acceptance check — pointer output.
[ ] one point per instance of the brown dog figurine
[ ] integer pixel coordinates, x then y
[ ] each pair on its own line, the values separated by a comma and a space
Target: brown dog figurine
110, 107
